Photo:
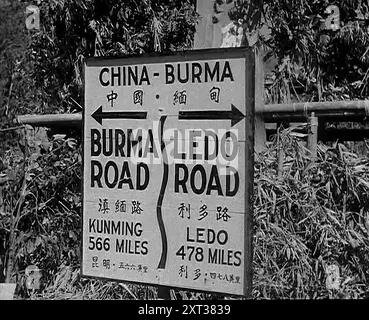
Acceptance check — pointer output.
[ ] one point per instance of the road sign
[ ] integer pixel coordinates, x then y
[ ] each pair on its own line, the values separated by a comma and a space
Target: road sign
168, 170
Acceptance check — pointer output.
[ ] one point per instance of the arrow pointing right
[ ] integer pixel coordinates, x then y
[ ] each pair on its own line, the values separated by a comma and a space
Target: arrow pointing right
234, 115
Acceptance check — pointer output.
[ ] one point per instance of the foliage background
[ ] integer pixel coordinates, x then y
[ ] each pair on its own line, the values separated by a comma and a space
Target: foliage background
306, 217
315, 64
40, 186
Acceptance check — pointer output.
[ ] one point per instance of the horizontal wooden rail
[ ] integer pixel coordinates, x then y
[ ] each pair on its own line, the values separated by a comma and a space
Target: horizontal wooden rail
271, 113
51, 120
334, 111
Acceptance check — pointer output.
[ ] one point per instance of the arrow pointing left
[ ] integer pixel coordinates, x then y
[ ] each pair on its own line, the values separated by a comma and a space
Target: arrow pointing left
99, 115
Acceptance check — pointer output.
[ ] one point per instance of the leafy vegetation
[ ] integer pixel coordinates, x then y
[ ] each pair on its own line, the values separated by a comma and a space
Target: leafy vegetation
40, 186
75, 30
44, 223
308, 216
313, 63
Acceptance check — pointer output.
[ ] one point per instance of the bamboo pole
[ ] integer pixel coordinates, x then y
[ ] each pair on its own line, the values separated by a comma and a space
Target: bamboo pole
164, 293
52, 120
336, 110
307, 107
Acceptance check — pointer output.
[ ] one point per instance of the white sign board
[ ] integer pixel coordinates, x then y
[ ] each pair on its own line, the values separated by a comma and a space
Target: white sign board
168, 170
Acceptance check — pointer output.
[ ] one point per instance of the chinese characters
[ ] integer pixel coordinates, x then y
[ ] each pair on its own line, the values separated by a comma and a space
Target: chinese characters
120, 206
180, 97
138, 97
222, 213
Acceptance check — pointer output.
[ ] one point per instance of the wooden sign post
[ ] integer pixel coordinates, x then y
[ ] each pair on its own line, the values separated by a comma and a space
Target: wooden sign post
215, 29
168, 170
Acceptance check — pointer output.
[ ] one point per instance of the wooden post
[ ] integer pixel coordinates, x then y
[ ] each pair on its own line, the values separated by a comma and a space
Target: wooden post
163, 293
313, 136
260, 130
213, 30
210, 34
280, 153
217, 30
